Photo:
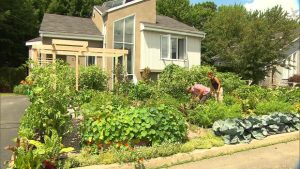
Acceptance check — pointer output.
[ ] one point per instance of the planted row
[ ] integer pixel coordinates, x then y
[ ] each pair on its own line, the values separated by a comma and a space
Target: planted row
243, 130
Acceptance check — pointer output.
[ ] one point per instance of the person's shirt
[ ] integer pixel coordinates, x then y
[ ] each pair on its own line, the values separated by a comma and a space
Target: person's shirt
198, 87
214, 83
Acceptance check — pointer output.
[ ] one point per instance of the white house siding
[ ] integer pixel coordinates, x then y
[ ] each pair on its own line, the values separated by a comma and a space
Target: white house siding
151, 56
293, 59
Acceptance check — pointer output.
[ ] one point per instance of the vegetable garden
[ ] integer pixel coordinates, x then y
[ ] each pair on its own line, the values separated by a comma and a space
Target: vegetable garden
147, 120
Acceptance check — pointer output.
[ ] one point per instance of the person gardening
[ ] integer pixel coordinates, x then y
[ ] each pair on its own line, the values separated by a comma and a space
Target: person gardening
200, 91
216, 88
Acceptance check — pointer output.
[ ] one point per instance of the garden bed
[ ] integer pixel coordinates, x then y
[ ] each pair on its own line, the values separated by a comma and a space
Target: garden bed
137, 122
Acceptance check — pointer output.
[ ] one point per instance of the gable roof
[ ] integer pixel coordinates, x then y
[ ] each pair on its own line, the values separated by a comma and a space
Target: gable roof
69, 25
167, 23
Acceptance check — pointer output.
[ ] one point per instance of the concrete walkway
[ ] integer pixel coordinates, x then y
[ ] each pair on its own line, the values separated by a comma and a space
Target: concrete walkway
11, 111
280, 156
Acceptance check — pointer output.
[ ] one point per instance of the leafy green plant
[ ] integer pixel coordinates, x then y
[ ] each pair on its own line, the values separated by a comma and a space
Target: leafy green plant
93, 77
206, 115
139, 126
243, 130
141, 91
35, 154
268, 107
53, 87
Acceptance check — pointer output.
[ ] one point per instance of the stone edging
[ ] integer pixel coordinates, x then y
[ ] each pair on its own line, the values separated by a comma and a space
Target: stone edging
200, 154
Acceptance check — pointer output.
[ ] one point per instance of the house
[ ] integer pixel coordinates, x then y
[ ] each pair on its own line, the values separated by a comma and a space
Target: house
152, 40
290, 68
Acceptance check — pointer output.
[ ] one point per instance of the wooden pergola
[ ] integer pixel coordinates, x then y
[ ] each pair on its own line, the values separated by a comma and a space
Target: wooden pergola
76, 48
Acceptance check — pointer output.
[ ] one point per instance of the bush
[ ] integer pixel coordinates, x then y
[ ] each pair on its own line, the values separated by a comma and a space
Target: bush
206, 115
230, 81
22, 89
93, 77
139, 126
268, 107
173, 81
11, 76
141, 91
103, 104
53, 87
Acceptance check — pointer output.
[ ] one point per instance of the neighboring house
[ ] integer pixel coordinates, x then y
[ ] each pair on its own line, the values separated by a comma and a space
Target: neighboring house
152, 40
291, 68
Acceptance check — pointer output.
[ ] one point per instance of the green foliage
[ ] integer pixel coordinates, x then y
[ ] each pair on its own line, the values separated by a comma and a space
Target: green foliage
230, 81
268, 107
290, 95
141, 91
138, 125
92, 77
172, 81
103, 104
22, 89
52, 91
249, 43
10, 77
206, 115
35, 154
130, 154
243, 130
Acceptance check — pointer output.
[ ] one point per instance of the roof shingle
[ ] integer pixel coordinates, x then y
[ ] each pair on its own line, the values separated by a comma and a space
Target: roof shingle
170, 23
69, 24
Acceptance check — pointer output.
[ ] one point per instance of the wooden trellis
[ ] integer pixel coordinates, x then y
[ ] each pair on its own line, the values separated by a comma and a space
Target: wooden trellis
76, 48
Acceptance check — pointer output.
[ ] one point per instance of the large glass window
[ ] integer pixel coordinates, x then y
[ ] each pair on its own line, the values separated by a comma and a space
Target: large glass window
172, 47
124, 39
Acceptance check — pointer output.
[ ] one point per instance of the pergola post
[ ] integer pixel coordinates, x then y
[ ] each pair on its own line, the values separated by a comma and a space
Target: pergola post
77, 72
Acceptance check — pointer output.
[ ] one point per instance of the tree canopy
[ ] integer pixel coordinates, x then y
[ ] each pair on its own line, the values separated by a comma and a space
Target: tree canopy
249, 43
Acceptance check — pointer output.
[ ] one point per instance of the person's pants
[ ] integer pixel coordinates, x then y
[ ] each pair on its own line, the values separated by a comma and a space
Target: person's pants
204, 98
219, 96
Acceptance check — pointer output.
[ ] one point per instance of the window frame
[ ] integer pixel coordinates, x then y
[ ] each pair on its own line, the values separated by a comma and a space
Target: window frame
169, 56
124, 43
87, 60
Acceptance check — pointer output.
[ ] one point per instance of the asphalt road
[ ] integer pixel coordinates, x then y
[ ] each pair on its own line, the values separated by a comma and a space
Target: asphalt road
280, 156
11, 110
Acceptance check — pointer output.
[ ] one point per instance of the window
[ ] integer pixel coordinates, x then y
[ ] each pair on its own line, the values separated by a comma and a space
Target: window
124, 39
172, 47
90, 60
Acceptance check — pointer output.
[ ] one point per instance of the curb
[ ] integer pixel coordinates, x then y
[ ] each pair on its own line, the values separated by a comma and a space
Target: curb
201, 154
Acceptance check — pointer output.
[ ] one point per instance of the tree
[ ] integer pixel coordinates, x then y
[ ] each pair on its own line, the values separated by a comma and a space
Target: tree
177, 9
17, 25
249, 42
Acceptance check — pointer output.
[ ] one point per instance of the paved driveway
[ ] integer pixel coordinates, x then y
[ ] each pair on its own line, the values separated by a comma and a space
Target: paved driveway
11, 110
280, 156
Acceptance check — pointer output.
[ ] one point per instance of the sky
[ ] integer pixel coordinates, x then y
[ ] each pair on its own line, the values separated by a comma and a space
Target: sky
291, 6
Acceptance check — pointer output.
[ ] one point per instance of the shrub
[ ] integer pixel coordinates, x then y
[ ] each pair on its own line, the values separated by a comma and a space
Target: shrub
199, 74
173, 81
206, 115
11, 76
230, 81
93, 77
268, 107
103, 104
22, 89
290, 95
141, 91
53, 87
137, 126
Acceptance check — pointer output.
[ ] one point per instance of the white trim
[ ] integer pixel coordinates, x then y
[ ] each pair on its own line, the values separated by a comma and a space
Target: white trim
70, 36
98, 10
124, 5
33, 43
169, 57
166, 30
